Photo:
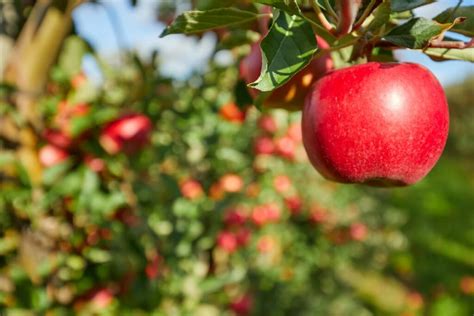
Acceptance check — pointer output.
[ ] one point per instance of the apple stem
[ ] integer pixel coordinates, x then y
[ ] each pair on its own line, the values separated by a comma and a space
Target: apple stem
322, 18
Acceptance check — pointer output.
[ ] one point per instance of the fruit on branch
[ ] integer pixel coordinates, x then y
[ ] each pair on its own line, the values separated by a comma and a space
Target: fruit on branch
50, 155
377, 124
127, 134
191, 189
232, 113
291, 95
67, 112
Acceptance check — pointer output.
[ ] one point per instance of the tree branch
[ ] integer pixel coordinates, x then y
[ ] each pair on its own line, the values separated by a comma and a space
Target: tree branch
320, 15
368, 10
347, 14
434, 44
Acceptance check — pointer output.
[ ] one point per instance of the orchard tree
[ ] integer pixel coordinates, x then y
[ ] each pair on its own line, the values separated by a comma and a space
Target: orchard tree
382, 124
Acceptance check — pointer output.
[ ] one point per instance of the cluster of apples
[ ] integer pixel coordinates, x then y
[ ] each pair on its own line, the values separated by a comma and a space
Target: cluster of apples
380, 124
127, 134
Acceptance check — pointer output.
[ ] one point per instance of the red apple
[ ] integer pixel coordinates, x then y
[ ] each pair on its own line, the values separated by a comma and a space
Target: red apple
232, 113
285, 147
127, 134
50, 155
235, 217
264, 146
282, 183
57, 138
227, 241
242, 306
294, 204
66, 113
267, 123
291, 95
358, 231
231, 182
191, 189
266, 213
378, 124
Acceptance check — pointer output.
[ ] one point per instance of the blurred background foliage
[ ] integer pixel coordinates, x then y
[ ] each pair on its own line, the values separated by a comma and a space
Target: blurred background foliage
220, 214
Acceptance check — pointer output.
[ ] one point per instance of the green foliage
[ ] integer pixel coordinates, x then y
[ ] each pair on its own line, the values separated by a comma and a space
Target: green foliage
288, 47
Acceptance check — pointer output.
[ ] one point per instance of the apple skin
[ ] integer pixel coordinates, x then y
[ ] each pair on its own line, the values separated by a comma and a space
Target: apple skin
376, 124
292, 94
50, 155
127, 134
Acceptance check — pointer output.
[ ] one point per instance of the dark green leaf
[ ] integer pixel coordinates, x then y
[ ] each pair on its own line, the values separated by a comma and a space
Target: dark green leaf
403, 5
415, 33
287, 48
199, 21
466, 27
289, 6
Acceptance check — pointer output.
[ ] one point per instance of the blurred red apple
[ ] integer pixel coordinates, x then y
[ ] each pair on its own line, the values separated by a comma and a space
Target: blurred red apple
264, 146
57, 138
235, 217
285, 147
291, 95
242, 306
358, 231
377, 124
227, 241
191, 189
294, 132
265, 213
294, 204
152, 267
232, 113
242, 236
231, 182
282, 183
127, 134
66, 113
267, 123
94, 163
50, 155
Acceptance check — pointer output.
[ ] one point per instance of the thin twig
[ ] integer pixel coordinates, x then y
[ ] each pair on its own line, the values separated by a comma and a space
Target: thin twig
324, 22
347, 13
434, 44
368, 10
331, 10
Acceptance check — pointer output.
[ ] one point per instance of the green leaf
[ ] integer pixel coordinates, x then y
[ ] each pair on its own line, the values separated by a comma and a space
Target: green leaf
379, 17
403, 5
416, 33
451, 54
199, 21
289, 6
71, 56
287, 48
466, 27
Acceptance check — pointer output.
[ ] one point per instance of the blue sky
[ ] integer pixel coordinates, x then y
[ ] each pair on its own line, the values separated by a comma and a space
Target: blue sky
136, 28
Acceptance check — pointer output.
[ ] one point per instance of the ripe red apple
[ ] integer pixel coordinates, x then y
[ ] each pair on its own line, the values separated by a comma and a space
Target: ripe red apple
232, 113
227, 241
378, 124
291, 95
231, 182
127, 134
50, 155
267, 124
191, 189
264, 146
57, 138
66, 113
